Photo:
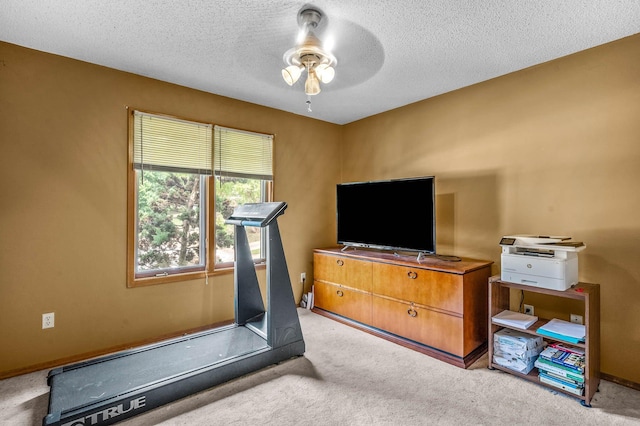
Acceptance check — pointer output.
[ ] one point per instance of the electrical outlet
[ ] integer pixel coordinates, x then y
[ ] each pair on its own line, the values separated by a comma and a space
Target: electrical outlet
576, 319
528, 309
303, 277
48, 320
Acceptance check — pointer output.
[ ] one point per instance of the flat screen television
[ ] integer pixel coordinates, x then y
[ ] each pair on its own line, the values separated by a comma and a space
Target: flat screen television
389, 215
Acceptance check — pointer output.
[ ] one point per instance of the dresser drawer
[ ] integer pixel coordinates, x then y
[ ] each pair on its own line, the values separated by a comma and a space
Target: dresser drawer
439, 290
431, 328
342, 270
343, 301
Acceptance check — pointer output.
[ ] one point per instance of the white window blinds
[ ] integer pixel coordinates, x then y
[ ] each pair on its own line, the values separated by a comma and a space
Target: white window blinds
171, 145
242, 154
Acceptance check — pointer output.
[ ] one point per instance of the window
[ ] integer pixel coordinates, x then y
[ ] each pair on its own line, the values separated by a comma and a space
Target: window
243, 174
176, 227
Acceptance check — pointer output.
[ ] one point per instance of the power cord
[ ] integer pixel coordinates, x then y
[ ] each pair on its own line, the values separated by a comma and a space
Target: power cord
521, 308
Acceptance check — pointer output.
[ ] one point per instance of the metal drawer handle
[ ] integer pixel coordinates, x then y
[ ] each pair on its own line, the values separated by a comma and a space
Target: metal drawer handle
340, 262
339, 293
412, 312
412, 275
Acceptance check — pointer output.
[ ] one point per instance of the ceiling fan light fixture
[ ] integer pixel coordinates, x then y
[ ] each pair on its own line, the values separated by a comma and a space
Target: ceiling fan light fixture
291, 74
312, 85
325, 73
309, 55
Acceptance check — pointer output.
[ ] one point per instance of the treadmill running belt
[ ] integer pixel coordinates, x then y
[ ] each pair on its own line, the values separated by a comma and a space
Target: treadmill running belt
115, 376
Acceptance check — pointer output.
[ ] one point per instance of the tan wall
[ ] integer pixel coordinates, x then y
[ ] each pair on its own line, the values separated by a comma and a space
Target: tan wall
63, 180
553, 149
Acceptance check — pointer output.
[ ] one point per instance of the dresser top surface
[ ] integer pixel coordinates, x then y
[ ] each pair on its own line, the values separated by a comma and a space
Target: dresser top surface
448, 264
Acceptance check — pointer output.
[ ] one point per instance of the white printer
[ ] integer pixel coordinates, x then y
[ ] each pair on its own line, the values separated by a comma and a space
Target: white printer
540, 261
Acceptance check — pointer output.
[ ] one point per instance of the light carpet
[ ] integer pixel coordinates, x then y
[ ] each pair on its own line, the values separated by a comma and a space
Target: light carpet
348, 377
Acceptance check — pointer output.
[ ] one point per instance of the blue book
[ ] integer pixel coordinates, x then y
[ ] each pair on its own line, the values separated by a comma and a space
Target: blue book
561, 384
563, 330
559, 336
548, 366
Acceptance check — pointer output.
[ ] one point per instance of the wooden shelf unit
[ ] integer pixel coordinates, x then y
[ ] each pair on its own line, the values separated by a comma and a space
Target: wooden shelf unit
589, 294
434, 306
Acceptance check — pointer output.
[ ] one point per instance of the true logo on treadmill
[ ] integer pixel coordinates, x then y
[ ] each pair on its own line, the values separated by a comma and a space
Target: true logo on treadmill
109, 413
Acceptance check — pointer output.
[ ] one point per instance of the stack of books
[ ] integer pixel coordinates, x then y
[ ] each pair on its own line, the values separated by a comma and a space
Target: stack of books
563, 367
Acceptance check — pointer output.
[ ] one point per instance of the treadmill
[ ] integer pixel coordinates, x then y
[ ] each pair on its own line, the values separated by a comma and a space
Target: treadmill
109, 389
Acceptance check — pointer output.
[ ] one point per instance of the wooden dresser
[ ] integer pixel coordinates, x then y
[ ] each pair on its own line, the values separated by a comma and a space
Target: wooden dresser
434, 306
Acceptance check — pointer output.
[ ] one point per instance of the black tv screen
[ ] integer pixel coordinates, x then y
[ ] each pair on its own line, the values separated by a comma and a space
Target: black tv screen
390, 215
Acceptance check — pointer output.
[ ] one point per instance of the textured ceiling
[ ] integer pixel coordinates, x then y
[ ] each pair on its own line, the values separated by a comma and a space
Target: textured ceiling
390, 53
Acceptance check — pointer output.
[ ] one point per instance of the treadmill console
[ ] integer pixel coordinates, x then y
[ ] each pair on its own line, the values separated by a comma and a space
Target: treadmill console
256, 214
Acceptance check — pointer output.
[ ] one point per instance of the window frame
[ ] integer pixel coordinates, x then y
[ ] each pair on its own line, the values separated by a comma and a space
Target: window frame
156, 273
210, 267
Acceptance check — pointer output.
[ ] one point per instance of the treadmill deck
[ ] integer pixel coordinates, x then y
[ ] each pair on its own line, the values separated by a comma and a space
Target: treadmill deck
109, 377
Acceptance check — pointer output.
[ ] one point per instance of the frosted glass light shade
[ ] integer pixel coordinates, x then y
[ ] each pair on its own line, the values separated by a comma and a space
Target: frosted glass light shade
291, 74
312, 85
325, 73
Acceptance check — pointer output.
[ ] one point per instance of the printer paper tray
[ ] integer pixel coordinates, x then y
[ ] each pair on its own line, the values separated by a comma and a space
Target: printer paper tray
534, 281
556, 274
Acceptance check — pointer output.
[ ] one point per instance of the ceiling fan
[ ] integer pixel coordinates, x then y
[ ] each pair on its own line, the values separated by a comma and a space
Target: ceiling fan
309, 56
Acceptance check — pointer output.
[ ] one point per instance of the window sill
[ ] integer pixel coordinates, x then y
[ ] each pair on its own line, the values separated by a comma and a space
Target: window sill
223, 270
187, 276
147, 281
